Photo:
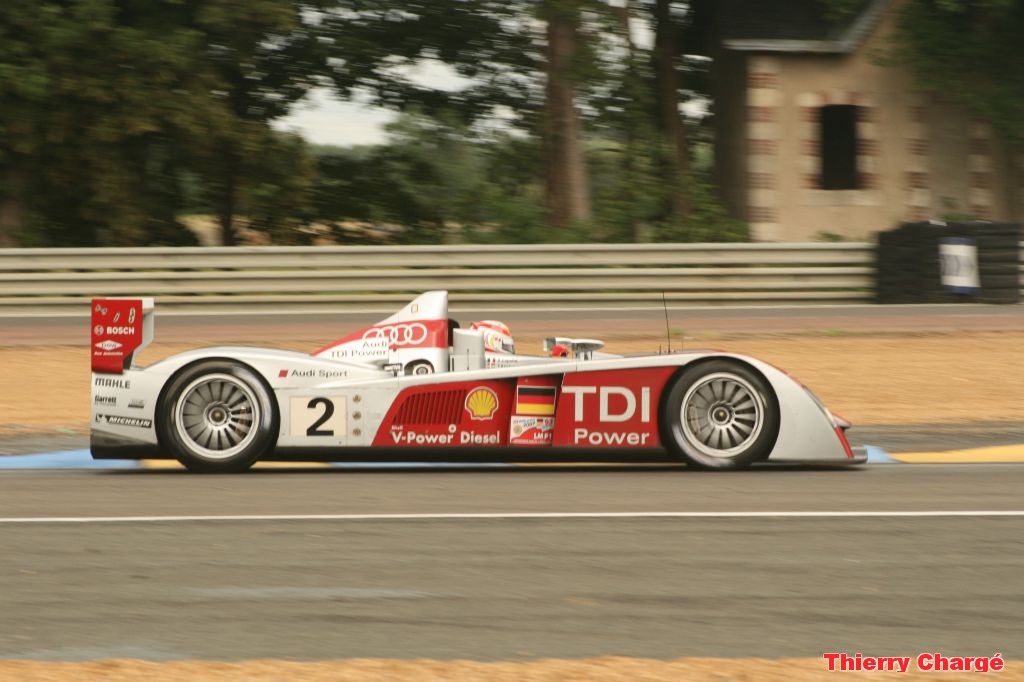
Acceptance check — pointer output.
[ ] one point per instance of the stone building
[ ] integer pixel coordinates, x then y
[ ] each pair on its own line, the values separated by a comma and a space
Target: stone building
815, 135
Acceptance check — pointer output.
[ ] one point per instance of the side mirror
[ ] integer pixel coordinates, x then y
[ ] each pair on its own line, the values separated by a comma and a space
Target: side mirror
552, 341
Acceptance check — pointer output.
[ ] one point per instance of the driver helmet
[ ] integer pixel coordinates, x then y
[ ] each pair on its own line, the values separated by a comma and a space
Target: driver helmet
497, 336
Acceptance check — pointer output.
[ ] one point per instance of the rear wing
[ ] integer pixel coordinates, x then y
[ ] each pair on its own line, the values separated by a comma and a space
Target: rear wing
121, 327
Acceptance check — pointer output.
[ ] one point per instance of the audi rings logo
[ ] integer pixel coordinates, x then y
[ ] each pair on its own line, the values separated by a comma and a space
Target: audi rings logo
412, 334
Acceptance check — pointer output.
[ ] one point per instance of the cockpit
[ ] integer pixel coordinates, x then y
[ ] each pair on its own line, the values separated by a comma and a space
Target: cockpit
421, 339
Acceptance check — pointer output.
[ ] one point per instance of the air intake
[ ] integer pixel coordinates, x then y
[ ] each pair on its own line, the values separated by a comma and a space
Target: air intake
439, 407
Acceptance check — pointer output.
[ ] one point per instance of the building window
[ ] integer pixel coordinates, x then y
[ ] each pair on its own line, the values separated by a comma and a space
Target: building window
839, 147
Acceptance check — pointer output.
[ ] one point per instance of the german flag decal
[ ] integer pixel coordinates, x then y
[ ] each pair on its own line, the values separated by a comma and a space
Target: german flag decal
535, 400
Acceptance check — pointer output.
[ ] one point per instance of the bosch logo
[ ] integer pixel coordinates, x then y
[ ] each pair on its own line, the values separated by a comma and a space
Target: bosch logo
411, 334
119, 330
97, 330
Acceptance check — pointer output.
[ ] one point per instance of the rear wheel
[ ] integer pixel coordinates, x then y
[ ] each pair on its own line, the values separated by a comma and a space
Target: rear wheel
419, 368
218, 416
720, 415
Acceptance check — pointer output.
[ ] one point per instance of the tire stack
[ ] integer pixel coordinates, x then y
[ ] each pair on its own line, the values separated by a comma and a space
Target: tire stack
908, 269
998, 259
908, 264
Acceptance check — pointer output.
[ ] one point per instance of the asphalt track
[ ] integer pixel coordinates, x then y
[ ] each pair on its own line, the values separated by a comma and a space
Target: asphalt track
442, 564
406, 566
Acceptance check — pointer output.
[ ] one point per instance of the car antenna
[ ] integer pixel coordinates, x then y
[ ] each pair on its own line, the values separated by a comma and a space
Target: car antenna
668, 333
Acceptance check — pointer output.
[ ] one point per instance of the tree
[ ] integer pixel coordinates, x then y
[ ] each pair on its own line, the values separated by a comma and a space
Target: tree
120, 115
432, 182
618, 140
666, 51
531, 77
970, 52
625, 147
375, 46
90, 137
264, 55
632, 96
278, 193
22, 86
567, 194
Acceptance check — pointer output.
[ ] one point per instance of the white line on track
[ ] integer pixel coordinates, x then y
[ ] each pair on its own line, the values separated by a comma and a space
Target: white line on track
518, 515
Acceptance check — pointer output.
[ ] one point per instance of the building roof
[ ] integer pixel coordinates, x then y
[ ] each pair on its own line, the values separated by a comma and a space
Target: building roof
793, 25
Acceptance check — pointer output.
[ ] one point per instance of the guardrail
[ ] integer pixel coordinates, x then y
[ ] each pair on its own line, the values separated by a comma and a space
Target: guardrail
49, 281
253, 279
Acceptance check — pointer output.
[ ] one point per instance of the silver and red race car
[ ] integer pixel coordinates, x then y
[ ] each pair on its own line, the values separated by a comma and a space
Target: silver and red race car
418, 387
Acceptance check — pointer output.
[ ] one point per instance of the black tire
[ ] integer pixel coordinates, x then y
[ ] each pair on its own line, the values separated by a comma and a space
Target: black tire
203, 415
733, 416
419, 367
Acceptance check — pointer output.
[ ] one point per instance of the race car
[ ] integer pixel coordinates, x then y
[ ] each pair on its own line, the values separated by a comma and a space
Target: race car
418, 386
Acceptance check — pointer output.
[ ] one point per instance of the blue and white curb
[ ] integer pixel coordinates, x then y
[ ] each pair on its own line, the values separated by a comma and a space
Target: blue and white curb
877, 455
70, 459
82, 459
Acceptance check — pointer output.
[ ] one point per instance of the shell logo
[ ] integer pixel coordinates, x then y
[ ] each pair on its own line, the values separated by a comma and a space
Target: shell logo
481, 403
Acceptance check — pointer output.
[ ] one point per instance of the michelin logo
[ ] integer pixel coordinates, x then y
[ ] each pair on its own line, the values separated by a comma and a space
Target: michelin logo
114, 420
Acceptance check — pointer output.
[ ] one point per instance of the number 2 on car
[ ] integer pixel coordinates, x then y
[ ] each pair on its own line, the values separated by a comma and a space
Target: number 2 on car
321, 417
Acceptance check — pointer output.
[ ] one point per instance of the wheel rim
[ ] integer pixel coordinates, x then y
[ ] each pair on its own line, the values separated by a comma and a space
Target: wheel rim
216, 416
722, 415
422, 368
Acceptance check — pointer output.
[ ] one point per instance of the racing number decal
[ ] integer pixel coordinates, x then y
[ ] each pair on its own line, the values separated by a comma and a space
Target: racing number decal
318, 417
314, 430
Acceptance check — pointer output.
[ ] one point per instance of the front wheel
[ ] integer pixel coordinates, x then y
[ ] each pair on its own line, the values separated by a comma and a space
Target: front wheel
720, 415
218, 416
